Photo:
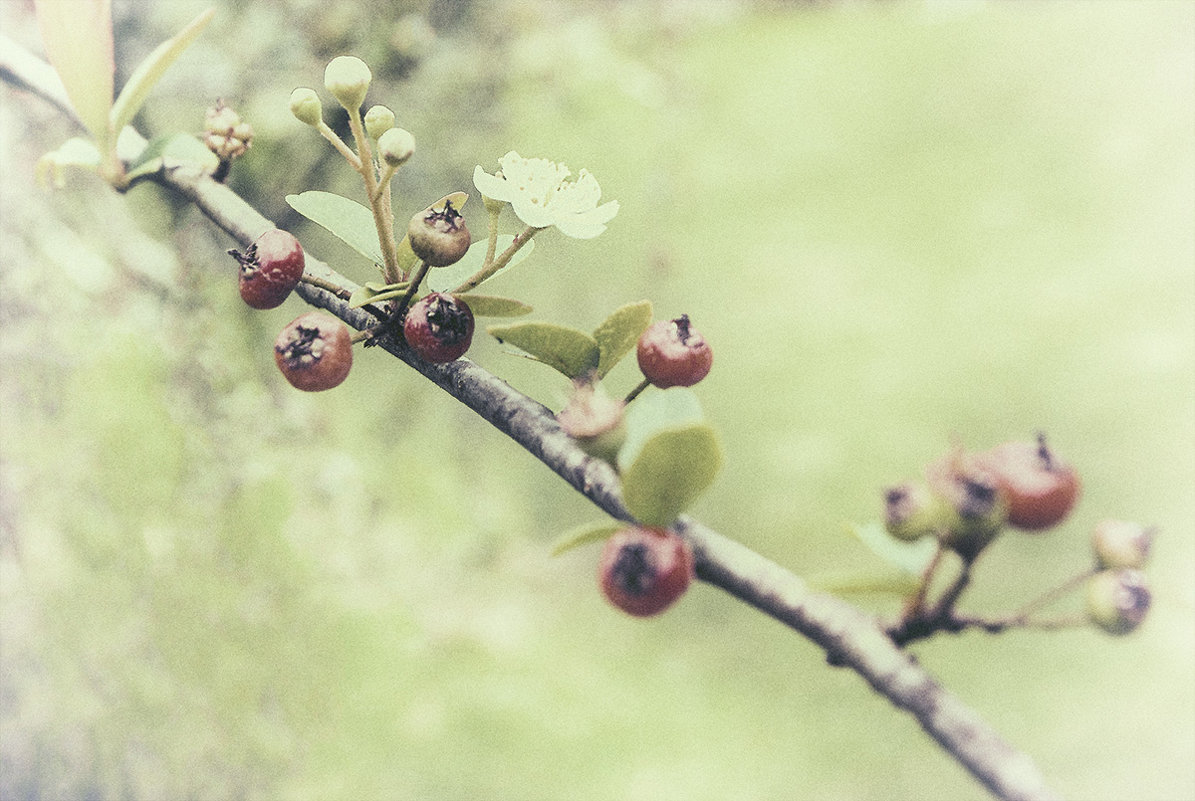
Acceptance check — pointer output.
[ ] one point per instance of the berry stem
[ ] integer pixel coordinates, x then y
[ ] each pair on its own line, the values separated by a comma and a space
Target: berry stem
916, 604
489, 268
327, 286
1023, 614
416, 280
379, 204
634, 393
339, 144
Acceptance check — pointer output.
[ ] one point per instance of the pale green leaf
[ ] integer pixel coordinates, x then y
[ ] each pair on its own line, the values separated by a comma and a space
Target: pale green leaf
911, 557
584, 535
376, 293
650, 414
494, 306
78, 39
179, 147
570, 351
672, 468
74, 152
135, 91
347, 219
444, 279
619, 332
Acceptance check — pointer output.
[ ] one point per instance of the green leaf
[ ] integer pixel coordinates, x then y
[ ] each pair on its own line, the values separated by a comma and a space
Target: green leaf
406, 258
619, 332
347, 219
585, 534
74, 152
78, 38
911, 557
672, 468
494, 306
444, 279
659, 411
900, 584
376, 293
570, 351
135, 91
176, 147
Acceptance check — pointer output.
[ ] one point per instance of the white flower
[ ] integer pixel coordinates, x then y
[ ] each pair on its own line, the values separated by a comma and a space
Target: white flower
541, 196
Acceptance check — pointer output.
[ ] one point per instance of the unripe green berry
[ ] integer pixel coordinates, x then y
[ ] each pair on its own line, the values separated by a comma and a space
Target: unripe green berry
974, 497
306, 106
395, 146
1120, 544
912, 511
378, 120
347, 79
1117, 600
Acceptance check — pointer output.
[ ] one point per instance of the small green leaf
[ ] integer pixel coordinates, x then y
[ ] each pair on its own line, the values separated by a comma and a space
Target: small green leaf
570, 351
407, 260
585, 534
911, 557
376, 293
176, 147
457, 199
443, 279
77, 35
74, 152
619, 332
673, 467
345, 218
135, 91
494, 306
659, 411
900, 584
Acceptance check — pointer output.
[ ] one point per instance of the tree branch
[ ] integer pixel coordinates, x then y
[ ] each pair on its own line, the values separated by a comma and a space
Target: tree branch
850, 637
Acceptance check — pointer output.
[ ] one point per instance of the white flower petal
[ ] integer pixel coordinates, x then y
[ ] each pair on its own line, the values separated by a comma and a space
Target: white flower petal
587, 224
531, 210
491, 186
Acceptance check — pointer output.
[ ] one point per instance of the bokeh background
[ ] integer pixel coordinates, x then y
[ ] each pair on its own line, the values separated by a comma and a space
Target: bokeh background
901, 225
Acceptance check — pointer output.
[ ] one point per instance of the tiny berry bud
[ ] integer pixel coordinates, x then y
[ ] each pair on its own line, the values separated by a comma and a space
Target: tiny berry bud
1117, 600
439, 327
396, 146
594, 420
347, 79
225, 134
672, 353
912, 511
314, 352
306, 106
438, 235
378, 120
270, 269
1040, 489
1120, 544
643, 571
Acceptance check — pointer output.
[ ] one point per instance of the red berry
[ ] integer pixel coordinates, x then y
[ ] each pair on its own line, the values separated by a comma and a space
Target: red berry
439, 327
644, 570
270, 269
314, 352
438, 235
1039, 488
674, 354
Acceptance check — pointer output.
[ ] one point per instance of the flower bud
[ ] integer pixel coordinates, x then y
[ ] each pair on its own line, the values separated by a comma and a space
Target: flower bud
224, 133
306, 106
438, 235
378, 120
594, 420
347, 79
1119, 544
1117, 600
395, 146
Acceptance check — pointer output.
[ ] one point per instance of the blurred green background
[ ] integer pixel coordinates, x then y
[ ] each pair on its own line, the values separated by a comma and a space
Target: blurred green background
900, 225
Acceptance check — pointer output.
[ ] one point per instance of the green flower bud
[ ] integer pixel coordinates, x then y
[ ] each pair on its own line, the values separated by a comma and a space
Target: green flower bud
1119, 544
378, 120
913, 511
395, 146
1117, 600
347, 79
305, 105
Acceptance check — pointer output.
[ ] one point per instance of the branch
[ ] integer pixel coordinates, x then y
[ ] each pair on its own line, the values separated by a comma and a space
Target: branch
850, 637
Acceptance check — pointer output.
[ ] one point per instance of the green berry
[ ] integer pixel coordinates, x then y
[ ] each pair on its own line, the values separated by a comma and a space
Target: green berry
974, 497
1121, 544
1117, 600
912, 511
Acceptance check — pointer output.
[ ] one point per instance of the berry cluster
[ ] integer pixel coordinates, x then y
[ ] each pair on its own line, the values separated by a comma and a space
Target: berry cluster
967, 499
